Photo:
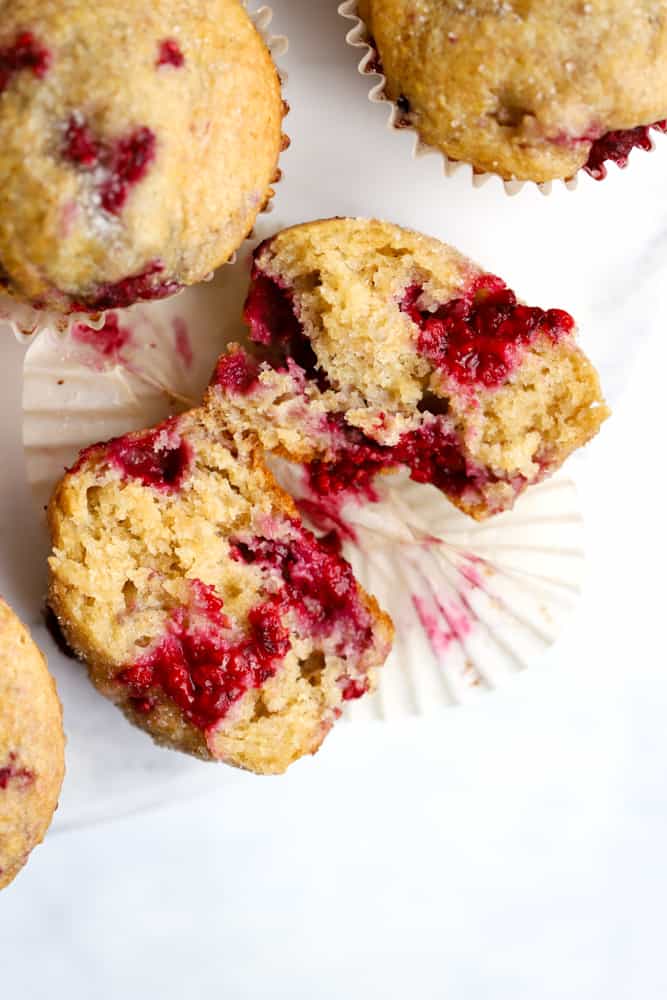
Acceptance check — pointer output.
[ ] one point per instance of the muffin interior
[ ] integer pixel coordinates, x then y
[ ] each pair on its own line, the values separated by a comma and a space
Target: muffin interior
378, 348
203, 608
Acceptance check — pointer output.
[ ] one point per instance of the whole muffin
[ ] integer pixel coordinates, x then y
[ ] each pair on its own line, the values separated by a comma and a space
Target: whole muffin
528, 89
203, 608
32, 746
380, 348
138, 142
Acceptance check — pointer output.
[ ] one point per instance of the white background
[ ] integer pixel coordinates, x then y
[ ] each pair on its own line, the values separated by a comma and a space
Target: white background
510, 850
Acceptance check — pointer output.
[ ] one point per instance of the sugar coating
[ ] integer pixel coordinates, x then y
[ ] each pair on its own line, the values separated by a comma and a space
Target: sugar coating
522, 88
182, 576
32, 746
146, 140
356, 382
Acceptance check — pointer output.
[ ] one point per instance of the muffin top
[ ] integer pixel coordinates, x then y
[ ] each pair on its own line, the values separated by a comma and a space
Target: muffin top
138, 142
31, 745
528, 89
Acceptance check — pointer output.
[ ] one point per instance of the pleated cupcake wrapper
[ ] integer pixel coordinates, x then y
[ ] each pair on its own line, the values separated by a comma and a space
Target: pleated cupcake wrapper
26, 321
370, 66
473, 604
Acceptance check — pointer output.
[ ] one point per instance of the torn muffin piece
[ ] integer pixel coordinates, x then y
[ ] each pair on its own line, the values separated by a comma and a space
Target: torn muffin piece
182, 576
378, 347
138, 143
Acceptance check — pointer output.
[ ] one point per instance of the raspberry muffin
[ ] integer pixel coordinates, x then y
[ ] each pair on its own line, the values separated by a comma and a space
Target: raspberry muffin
531, 91
138, 142
379, 347
183, 577
32, 746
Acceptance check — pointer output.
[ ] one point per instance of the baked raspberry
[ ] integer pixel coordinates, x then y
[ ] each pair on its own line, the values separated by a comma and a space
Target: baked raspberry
269, 311
481, 337
415, 358
25, 53
615, 147
204, 609
124, 162
507, 87
201, 667
160, 458
318, 585
80, 146
149, 285
270, 314
237, 373
170, 54
108, 341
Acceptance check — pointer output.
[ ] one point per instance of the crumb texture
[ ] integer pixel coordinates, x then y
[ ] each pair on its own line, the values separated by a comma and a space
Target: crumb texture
203, 608
377, 347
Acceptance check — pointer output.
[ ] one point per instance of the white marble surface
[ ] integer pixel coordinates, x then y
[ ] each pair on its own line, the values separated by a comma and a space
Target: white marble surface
513, 849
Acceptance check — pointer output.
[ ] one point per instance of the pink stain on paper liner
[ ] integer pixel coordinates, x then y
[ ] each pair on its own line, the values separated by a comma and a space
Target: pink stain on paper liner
445, 622
204, 665
182, 342
325, 514
442, 623
107, 342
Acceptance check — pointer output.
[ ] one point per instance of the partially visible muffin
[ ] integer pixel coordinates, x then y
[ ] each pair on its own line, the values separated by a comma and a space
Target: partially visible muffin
203, 608
32, 746
138, 142
379, 347
531, 90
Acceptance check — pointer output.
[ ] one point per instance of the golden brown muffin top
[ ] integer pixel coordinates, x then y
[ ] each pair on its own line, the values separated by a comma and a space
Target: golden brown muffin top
138, 142
522, 88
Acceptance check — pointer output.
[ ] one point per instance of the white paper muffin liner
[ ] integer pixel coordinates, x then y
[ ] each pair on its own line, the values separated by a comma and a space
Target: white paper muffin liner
473, 604
358, 38
26, 321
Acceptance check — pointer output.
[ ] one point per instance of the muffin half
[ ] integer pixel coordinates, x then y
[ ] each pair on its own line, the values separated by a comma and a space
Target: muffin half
183, 577
378, 347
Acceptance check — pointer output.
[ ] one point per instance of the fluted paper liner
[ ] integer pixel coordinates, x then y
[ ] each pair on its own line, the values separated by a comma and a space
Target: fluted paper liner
369, 65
